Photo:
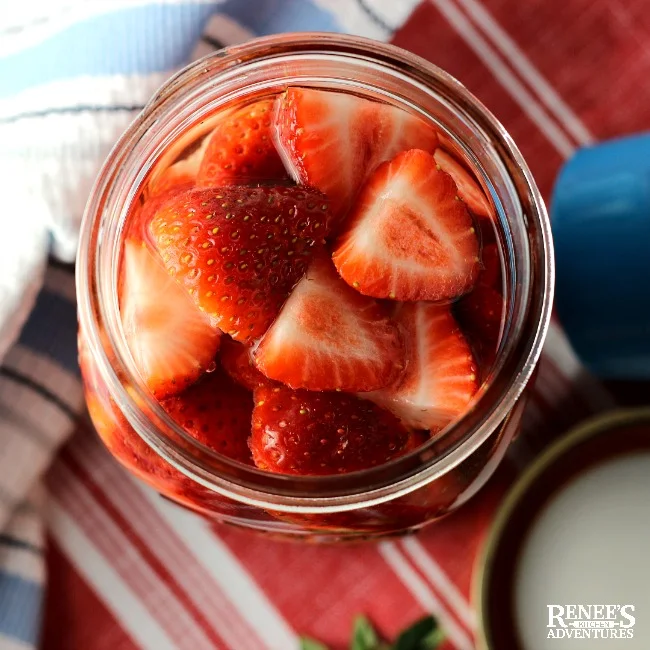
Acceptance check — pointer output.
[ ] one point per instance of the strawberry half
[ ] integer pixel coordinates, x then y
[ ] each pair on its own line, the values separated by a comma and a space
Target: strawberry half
301, 432
441, 374
332, 141
408, 236
216, 412
241, 149
239, 250
172, 343
236, 360
468, 188
329, 337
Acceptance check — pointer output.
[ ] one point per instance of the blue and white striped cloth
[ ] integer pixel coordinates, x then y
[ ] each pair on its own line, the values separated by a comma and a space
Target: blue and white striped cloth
73, 74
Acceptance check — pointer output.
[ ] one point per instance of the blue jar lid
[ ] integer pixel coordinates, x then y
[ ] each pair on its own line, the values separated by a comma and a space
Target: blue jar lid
600, 216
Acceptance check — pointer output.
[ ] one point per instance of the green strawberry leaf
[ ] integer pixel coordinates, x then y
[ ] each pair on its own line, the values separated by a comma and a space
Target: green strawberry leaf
364, 636
310, 644
422, 635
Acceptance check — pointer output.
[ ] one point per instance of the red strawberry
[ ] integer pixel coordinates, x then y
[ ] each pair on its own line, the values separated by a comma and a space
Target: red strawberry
331, 141
301, 432
468, 188
329, 337
241, 149
491, 260
441, 374
172, 343
481, 314
216, 412
236, 360
408, 236
239, 251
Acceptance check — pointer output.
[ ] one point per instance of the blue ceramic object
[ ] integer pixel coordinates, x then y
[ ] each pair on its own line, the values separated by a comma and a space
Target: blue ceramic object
600, 215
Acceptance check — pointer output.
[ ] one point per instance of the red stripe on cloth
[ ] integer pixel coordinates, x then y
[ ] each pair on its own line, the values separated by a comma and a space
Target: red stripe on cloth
143, 546
175, 562
72, 492
319, 589
428, 34
74, 616
592, 53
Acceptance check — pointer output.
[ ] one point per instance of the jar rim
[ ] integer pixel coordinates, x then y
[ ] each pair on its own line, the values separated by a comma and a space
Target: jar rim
313, 493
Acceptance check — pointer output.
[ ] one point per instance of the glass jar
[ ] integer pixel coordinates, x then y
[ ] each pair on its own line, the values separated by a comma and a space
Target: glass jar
409, 491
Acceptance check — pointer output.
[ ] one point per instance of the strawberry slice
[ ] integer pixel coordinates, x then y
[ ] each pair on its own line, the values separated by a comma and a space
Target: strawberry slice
240, 250
301, 432
241, 149
332, 141
481, 314
441, 374
172, 343
236, 360
216, 412
329, 337
408, 236
468, 188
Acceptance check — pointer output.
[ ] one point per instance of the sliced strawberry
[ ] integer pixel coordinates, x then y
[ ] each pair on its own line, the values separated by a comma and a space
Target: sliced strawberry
301, 432
216, 412
491, 260
329, 337
239, 250
332, 141
171, 341
236, 360
408, 236
241, 149
481, 314
441, 374
468, 188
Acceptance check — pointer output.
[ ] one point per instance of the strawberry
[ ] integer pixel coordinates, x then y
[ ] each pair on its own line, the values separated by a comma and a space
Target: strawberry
331, 141
241, 149
480, 314
239, 251
491, 261
468, 188
172, 343
441, 374
408, 236
216, 412
301, 432
329, 337
236, 360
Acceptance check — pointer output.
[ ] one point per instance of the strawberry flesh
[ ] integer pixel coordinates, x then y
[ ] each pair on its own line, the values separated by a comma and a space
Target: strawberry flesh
307, 433
468, 189
332, 141
241, 149
408, 236
217, 413
236, 360
172, 343
239, 251
441, 375
330, 337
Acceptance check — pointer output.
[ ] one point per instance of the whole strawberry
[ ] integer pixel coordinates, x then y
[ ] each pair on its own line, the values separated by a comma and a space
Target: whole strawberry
240, 250
309, 433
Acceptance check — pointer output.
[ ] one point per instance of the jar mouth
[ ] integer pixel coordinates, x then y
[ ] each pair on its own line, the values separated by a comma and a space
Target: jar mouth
519, 206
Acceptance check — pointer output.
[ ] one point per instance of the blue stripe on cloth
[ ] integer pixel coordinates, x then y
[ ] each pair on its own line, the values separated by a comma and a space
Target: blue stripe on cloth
20, 608
150, 38
264, 17
52, 330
